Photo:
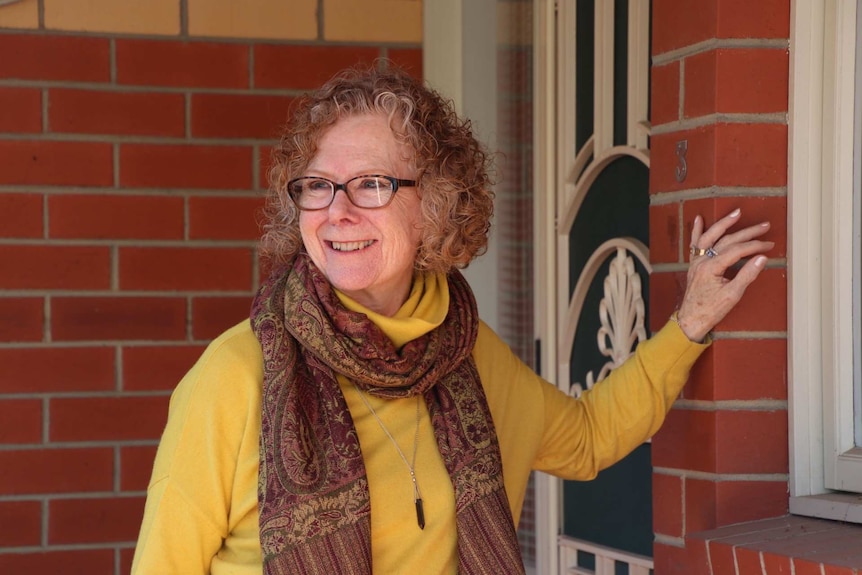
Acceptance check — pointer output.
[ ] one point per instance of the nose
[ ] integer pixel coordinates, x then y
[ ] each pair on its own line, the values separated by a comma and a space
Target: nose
341, 207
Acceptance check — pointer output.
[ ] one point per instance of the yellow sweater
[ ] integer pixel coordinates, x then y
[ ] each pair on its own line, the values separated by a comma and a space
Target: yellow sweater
201, 513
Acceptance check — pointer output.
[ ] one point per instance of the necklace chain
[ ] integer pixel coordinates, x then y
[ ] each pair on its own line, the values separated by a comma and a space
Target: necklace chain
417, 495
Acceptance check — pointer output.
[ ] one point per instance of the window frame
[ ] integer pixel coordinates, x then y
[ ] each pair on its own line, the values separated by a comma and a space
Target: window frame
825, 467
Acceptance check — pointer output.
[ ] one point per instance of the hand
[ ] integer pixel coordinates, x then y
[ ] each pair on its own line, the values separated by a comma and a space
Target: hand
709, 296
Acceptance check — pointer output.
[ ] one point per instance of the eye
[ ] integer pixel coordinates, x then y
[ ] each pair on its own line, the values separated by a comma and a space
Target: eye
316, 185
373, 183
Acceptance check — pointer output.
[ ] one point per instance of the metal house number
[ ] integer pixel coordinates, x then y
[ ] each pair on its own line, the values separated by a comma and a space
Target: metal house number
682, 166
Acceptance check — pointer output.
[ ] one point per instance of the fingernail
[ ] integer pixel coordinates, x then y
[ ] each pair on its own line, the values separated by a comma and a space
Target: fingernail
764, 225
760, 261
734, 213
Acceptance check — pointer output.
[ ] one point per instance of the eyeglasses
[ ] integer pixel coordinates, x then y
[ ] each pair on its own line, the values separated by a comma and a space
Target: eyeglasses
372, 191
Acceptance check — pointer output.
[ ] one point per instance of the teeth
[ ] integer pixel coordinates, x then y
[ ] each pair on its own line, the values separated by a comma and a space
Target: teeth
351, 246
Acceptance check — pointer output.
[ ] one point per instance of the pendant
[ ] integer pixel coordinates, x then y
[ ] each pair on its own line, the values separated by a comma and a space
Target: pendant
420, 513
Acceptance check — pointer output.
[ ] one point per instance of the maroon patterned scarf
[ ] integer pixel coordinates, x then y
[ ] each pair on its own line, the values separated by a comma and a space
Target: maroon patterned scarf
312, 487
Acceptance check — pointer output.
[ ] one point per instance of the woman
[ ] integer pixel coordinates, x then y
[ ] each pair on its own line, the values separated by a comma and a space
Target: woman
365, 417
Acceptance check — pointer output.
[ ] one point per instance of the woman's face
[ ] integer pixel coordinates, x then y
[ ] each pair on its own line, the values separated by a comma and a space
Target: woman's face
366, 253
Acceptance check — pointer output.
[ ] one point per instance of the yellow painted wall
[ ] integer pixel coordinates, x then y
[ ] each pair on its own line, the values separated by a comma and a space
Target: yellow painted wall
390, 21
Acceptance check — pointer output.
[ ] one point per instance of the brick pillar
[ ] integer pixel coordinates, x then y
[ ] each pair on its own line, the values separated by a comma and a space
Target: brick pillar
719, 88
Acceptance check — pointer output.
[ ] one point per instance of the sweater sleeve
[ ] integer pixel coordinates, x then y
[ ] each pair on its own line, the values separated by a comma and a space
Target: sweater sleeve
211, 436
583, 436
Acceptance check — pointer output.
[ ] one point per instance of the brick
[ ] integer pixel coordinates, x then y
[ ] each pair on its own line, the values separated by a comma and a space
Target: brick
80, 216
20, 421
118, 318
722, 558
193, 269
761, 19
748, 561
54, 267
409, 59
764, 306
21, 215
740, 501
136, 467
182, 64
296, 20
22, 110
265, 163
751, 154
56, 163
56, 369
118, 16
32, 471
839, 570
147, 368
680, 23
669, 560
21, 319
755, 210
667, 493
127, 555
225, 218
305, 67
740, 369
735, 80
664, 234
701, 91
519, 126
107, 418
666, 291
57, 58
213, 315
185, 166
664, 93
111, 112
94, 520
67, 562
349, 21
21, 525
699, 158
751, 442
687, 440
776, 564
514, 65
239, 115
696, 560
805, 567
700, 505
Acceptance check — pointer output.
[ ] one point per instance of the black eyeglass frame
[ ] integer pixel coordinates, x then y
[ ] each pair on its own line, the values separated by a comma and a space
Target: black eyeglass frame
397, 183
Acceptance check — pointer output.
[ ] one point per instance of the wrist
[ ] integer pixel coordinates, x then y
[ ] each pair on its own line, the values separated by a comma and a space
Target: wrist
686, 329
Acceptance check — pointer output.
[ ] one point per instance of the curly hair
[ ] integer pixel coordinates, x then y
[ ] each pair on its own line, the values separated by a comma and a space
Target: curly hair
452, 166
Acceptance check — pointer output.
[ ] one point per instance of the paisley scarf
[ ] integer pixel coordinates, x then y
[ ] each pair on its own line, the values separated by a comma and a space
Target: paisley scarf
312, 489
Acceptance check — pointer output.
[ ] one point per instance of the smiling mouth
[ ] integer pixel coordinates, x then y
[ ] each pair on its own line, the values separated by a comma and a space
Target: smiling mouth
350, 246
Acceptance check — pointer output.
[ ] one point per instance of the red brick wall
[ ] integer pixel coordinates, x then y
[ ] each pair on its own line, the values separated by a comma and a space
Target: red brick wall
131, 171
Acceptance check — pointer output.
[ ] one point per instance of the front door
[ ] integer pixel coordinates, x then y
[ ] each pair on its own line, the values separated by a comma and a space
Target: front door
600, 258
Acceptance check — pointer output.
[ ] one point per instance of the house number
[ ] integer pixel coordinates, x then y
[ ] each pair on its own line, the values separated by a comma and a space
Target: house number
682, 166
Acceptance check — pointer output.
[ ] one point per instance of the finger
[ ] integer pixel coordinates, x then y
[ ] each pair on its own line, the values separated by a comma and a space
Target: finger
743, 235
747, 274
696, 230
716, 230
729, 255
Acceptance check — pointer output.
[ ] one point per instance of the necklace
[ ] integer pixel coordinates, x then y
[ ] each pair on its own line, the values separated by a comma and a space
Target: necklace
417, 495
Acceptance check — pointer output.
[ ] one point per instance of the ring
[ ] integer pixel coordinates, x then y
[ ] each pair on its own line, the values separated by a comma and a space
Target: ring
708, 252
